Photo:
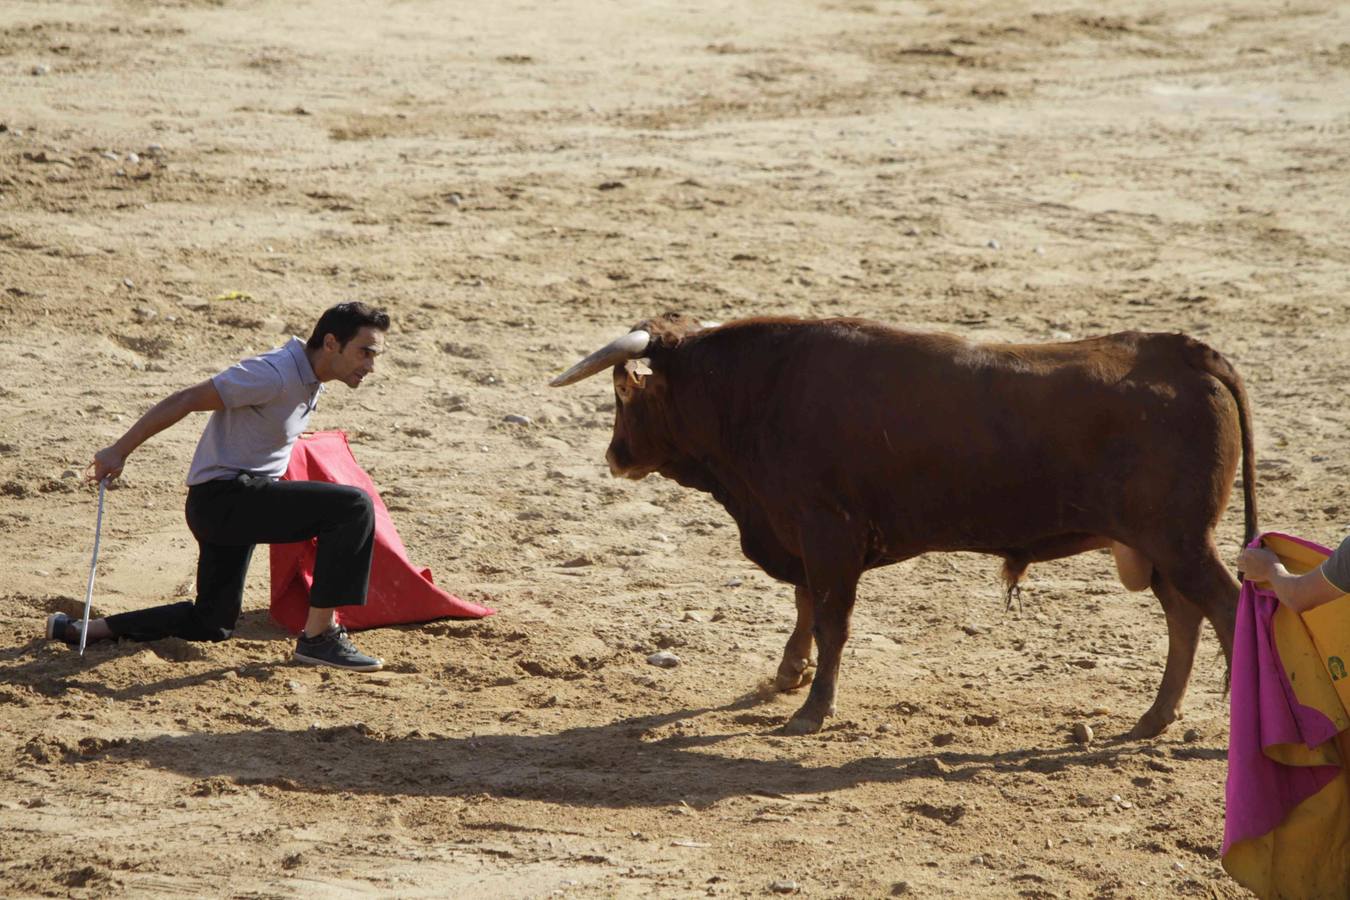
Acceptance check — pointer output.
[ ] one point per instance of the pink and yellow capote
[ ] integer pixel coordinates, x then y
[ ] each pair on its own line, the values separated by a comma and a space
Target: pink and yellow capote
1287, 824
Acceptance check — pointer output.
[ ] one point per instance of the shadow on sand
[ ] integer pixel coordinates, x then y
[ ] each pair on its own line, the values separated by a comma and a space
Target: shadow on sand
609, 765
616, 764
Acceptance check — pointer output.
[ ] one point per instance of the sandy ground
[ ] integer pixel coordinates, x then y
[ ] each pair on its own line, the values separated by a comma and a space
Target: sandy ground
518, 182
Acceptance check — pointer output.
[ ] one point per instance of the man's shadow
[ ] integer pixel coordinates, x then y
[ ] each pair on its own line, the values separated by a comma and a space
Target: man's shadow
51, 669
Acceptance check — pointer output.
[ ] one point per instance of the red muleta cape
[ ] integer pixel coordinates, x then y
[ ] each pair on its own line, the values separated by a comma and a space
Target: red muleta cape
399, 593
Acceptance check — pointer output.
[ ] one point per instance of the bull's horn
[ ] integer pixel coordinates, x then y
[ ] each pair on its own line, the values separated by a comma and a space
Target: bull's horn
632, 344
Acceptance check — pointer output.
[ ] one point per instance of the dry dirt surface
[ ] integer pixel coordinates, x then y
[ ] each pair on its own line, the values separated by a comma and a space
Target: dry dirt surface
186, 182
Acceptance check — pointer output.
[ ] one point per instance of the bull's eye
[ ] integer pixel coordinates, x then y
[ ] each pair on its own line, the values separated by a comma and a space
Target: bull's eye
624, 390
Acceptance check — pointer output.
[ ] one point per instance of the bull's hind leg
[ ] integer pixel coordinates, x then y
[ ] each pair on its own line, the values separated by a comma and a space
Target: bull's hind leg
1184, 619
794, 671
1189, 594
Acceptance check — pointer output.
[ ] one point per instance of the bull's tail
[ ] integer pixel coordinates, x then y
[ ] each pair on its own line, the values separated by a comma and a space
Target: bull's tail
1210, 361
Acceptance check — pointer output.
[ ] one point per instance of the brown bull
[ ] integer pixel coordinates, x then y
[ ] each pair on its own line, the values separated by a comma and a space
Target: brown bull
842, 445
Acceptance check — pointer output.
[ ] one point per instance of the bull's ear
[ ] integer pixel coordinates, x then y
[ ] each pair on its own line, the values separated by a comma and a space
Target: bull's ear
638, 370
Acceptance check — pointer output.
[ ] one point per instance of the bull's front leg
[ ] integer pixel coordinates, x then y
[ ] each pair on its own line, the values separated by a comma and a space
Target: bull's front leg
795, 669
833, 567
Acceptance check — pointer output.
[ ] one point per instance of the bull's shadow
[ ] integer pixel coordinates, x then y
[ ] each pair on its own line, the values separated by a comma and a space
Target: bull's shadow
607, 765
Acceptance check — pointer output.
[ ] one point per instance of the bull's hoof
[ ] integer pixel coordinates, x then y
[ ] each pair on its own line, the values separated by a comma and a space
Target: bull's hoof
802, 725
792, 675
810, 718
1150, 725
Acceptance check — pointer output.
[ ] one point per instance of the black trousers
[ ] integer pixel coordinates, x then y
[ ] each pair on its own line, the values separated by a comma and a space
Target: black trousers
229, 517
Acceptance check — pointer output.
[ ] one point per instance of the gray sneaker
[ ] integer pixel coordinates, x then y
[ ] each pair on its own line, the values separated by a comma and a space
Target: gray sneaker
334, 648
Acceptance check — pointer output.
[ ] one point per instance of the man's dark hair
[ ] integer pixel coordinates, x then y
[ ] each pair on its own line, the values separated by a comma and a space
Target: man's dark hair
344, 321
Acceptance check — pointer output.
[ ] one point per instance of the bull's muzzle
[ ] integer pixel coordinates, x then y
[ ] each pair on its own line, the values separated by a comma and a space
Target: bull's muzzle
620, 469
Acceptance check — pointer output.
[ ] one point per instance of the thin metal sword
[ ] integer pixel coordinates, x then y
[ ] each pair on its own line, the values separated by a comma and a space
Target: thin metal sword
93, 564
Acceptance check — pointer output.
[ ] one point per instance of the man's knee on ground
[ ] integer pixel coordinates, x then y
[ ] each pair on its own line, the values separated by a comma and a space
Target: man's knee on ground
206, 632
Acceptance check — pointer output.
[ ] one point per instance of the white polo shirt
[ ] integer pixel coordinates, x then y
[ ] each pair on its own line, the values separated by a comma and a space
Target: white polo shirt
268, 400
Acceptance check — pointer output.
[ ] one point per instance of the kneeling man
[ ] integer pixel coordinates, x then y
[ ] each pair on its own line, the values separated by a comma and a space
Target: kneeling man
259, 407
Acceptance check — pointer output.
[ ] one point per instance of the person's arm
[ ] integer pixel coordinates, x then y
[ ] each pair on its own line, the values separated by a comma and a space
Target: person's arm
1298, 592
109, 461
